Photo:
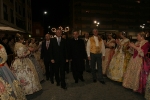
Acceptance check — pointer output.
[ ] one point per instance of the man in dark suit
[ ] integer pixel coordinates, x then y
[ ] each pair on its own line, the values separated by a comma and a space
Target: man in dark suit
77, 56
59, 57
46, 56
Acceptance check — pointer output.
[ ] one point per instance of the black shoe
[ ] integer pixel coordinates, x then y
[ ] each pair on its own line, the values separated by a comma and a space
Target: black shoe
76, 81
94, 81
64, 87
58, 84
102, 82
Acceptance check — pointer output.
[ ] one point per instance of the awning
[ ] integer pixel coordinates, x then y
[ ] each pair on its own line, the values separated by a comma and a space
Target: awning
6, 28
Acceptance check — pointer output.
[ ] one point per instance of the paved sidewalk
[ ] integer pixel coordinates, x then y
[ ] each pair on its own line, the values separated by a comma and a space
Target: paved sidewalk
85, 91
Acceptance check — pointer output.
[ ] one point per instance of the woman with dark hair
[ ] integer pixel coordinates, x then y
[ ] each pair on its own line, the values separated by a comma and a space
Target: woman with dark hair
10, 88
11, 44
24, 69
119, 61
5, 44
138, 68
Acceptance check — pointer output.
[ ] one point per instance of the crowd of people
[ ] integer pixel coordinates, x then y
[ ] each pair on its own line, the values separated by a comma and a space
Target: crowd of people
118, 59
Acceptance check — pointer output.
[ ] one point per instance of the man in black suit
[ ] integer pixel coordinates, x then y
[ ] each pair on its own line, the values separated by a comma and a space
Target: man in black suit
46, 56
77, 56
59, 57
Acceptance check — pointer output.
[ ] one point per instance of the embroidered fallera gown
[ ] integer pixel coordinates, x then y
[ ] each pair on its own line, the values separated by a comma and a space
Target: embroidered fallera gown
137, 71
119, 61
12, 88
36, 64
25, 70
109, 52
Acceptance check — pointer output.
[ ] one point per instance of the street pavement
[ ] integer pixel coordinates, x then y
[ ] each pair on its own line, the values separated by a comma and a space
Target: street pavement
85, 91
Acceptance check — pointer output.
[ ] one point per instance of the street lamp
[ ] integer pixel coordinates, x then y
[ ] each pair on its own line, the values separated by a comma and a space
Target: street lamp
45, 12
97, 23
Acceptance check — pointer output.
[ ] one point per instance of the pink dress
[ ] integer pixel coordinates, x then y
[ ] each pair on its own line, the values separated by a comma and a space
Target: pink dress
137, 70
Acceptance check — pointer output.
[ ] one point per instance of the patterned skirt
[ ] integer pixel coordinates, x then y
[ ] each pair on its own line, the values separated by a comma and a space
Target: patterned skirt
13, 89
37, 67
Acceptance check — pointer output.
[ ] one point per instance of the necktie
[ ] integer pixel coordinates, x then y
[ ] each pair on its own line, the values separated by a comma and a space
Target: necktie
47, 45
59, 41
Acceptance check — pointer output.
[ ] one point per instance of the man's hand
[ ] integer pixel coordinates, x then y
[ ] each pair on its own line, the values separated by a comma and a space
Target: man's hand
53, 61
103, 58
89, 58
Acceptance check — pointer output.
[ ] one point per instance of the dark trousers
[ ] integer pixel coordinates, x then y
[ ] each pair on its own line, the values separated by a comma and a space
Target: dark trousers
67, 67
87, 65
77, 75
96, 58
60, 73
49, 68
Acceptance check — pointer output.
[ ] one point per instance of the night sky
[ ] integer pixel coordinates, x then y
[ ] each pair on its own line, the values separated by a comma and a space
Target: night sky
57, 12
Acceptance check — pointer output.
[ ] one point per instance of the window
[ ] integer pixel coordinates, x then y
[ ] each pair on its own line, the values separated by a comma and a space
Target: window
4, 8
23, 12
19, 9
11, 16
5, 12
16, 6
12, 1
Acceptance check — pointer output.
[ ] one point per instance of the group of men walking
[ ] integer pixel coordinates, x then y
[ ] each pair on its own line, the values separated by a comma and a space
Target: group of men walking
56, 52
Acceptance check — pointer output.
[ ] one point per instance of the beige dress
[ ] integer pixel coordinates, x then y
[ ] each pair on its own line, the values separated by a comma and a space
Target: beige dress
118, 63
12, 88
25, 70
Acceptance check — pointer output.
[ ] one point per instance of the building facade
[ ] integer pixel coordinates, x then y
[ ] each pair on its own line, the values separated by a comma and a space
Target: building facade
37, 30
112, 15
16, 14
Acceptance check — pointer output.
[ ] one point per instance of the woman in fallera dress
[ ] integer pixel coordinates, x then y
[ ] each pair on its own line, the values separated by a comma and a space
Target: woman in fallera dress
32, 49
119, 61
109, 52
24, 69
38, 56
10, 88
138, 68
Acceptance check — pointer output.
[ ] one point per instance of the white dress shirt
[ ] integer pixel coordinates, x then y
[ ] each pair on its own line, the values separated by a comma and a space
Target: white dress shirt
88, 47
47, 44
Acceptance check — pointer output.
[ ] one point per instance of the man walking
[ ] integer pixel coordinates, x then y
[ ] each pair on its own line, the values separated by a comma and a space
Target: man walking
59, 57
46, 56
96, 53
77, 56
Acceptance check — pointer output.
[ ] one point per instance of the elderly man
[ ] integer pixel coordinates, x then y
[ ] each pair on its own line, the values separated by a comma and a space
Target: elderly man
77, 55
96, 53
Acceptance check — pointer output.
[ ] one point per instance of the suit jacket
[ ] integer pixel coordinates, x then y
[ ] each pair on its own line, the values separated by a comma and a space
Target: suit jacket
46, 53
77, 49
59, 53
